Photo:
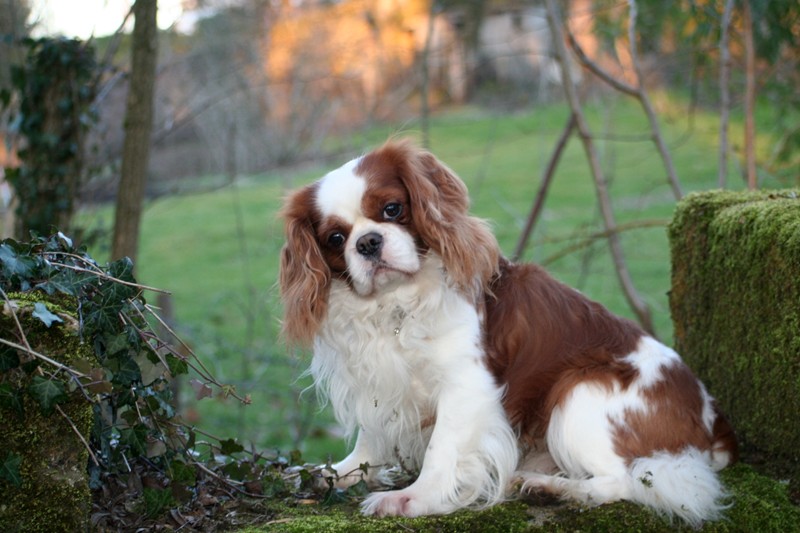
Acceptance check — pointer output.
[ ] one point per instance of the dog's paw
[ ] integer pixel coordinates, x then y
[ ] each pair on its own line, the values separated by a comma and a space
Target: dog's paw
394, 503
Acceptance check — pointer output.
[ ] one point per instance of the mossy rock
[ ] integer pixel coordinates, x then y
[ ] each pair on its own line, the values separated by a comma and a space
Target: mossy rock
735, 303
758, 503
54, 495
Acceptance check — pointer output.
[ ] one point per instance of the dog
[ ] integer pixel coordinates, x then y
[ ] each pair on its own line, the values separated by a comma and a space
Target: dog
485, 376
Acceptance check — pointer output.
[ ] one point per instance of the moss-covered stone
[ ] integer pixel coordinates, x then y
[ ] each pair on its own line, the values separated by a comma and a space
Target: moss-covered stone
735, 303
758, 503
54, 495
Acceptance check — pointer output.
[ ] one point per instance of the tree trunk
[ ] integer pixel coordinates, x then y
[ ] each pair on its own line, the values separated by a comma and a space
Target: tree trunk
138, 127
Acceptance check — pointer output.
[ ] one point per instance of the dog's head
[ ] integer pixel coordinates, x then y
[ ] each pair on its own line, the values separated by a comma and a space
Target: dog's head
373, 223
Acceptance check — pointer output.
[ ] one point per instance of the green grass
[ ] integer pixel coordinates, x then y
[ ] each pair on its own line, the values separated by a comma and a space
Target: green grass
218, 252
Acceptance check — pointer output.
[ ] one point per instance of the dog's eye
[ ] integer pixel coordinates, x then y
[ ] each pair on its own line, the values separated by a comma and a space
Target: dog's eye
336, 239
392, 211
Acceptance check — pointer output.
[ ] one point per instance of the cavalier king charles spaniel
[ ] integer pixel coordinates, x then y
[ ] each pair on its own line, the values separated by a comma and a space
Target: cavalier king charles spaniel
477, 374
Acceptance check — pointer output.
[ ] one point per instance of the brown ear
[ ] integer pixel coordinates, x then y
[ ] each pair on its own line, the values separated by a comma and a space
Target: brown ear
304, 275
440, 210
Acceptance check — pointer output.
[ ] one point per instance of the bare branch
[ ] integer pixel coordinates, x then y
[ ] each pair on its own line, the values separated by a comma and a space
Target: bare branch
597, 70
635, 301
658, 138
592, 237
34, 353
80, 436
111, 278
637, 92
541, 194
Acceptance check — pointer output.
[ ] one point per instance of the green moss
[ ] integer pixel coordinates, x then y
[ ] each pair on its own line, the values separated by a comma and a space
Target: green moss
512, 517
735, 304
54, 495
758, 503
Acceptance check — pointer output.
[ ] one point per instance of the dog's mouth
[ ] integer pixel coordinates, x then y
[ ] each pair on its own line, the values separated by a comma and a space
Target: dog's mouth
380, 276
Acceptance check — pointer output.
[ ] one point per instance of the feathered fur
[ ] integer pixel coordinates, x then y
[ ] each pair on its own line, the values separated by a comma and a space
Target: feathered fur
469, 371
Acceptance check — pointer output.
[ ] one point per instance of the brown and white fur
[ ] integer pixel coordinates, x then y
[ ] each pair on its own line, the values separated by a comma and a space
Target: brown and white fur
447, 359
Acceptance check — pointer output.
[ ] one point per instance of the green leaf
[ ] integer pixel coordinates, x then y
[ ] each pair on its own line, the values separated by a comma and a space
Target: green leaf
135, 438
14, 264
358, 490
177, 366
41, 312
11, 398
230, 447
47, 392
334, 496
274, 486
236, 470
126, 371
156, 501
8, 358
180, 472
9, 469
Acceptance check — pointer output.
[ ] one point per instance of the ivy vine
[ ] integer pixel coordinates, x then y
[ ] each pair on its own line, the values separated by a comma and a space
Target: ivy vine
52, 98
126, 378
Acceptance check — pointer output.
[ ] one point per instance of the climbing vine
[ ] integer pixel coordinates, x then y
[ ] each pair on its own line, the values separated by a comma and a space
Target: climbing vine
51, 97
140, 449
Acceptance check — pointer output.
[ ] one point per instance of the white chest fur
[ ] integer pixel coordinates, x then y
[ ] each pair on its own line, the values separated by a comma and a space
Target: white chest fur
382, 360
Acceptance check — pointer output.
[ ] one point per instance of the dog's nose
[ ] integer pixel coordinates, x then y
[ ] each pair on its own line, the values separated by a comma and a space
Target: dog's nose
369, 245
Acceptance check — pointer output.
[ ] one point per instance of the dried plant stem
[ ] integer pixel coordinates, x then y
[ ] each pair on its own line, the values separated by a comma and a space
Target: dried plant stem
103, 275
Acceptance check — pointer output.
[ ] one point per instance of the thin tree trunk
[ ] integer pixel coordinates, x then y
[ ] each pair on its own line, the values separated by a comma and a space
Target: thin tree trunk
749, 98
724, 92
138, 127
544, 186
635, 301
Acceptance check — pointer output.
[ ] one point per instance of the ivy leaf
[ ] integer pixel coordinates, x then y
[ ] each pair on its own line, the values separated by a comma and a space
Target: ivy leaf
182, 473
358, 490
9, 469
135, 438
334, 496
156, 501
273, 486
177, 366
126, 371
10, 398
47, 392
230, 446
8, 358
41, 312
14, 264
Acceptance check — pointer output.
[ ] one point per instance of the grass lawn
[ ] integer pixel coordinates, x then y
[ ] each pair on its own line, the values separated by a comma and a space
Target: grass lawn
218, 252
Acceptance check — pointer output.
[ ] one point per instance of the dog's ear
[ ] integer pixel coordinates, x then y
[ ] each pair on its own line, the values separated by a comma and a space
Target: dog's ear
440, 211
304, 274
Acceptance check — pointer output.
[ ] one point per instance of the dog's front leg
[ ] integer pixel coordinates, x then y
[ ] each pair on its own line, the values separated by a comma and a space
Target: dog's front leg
470, 456
349, 470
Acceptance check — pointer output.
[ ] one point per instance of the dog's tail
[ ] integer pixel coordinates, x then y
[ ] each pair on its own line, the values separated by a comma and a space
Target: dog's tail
683, 485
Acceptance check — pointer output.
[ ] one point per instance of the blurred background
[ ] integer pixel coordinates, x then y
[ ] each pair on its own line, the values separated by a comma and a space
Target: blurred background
251, 98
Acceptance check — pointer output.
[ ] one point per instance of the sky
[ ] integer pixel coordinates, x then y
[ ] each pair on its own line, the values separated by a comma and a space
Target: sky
82, 18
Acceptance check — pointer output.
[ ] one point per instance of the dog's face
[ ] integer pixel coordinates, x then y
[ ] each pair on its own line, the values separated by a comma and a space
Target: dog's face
365, 229
372, 223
